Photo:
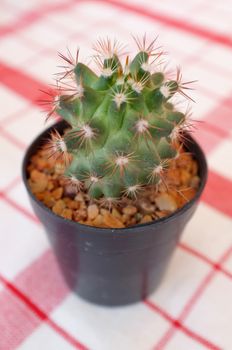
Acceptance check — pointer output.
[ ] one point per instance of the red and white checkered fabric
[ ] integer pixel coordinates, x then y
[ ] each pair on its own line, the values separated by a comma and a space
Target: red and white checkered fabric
192, 309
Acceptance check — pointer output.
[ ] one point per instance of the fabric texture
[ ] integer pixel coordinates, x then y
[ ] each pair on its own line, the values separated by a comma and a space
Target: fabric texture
192, 309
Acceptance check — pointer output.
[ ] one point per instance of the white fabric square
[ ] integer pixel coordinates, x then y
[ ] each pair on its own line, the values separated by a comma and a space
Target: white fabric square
15, 52
11, 159
221, 159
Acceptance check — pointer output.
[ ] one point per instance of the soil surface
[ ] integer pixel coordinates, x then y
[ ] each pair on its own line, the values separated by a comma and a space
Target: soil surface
49, 186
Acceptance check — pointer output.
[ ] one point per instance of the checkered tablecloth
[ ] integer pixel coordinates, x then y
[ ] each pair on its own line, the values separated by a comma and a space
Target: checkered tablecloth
192, 309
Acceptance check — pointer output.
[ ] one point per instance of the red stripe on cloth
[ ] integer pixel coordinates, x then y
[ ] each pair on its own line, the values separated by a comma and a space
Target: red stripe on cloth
22, 83
172, 22
40, 288
217, 193
52, 291
16, 321
192, 301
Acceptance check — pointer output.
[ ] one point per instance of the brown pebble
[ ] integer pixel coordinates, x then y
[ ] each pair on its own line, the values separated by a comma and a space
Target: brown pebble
37, 176
37, 187
161, 213
130, 210
152, 195
183, 196
173, 177
195, 181
66, 200
34, 158
104, 211
83, 205
162, 188
98, 221
194, 168
165, 201
58, 207
146, 218
79, 197
110, 221
59, 168
57, 193
49, 201
92, 211
188, 194
138, 216
50, 186
185, 177
40, 196
39, 181
132, 221
146, 206
41, 164
80, 215
73, 205
30, 168
125, 218
185, 161
67, 213
116, 213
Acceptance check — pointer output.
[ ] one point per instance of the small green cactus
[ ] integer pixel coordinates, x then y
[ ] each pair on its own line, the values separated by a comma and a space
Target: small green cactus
124, 128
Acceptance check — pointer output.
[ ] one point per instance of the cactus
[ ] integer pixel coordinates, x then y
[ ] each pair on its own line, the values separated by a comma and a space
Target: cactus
124, 127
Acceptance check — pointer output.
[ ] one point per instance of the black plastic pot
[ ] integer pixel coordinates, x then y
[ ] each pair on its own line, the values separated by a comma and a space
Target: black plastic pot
114, 266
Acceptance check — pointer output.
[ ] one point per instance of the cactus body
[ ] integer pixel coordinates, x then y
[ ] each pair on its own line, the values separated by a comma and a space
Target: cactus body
123, 126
